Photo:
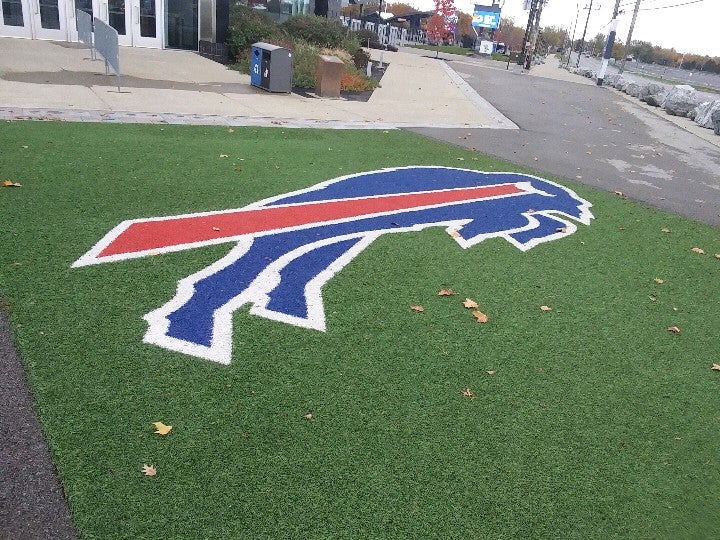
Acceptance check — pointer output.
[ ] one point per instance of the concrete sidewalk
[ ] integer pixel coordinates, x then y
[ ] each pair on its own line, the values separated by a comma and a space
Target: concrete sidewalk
61, 80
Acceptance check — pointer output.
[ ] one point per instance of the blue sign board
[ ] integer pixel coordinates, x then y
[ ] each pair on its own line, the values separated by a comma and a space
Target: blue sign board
485, 19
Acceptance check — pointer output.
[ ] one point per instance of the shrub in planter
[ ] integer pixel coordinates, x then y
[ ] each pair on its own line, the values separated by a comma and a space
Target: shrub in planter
363, 35
361, 59
318, 31
248, 26
304, 64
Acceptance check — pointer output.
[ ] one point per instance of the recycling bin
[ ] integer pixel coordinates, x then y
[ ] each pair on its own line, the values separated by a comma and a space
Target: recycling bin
271, 67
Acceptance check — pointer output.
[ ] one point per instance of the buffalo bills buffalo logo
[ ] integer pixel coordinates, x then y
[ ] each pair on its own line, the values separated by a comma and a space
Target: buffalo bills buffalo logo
287, 247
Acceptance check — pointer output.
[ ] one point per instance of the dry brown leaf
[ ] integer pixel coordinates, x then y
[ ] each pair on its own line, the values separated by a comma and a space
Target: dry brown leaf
308, 416
621, 228
10, 183
698, 250
468, 393
231, 130
665, 230
417, 308
224, 155
715, 367
454, 234
545, 308
561, 229
162, 429
216, 228
659, 281
717, 255
149, 470
491, 372
652, 298
619, 193
469, 303
446, 292
673, 329
480, 316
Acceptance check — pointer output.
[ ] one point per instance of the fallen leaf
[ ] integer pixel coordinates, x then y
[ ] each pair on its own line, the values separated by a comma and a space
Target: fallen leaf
480, 316
417, 308
216, 228
24, 146
717, 255
461, 159
698, 250
545, 308
454, 234
561, 229
715, 367
149, 470
619, 193
10, 183
652, 298
470, 304
162, 429
541, 370
231, 130
308, 416
468, 393
665, 230
621, 228
446, 292
673, 329
491, 372
659, 281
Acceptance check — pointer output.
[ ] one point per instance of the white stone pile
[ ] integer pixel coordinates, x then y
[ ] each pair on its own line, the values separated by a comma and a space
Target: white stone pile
679, 100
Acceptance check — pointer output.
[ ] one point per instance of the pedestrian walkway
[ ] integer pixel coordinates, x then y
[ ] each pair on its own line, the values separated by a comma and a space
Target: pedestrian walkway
54, 80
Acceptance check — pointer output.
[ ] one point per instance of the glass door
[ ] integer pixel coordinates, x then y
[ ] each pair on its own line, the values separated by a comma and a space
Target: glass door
146, 24
182, 24
49, 19
15, 18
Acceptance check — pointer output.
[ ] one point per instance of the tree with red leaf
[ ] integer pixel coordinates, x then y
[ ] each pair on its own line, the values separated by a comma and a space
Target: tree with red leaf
440, 24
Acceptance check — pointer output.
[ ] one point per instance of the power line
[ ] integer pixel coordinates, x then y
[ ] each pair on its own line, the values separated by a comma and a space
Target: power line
673, 6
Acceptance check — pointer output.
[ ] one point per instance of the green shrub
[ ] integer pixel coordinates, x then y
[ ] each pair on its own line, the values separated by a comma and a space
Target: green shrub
351, 43
363, 35
304, 63
318, 31
248, 26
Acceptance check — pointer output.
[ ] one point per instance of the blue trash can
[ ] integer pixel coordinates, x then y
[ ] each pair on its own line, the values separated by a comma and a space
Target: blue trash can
271, 67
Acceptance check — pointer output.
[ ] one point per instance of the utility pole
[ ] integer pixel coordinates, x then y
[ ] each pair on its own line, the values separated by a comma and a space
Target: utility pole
535, 33
572, 39
528, 30
627, 43
609, 44
582, 40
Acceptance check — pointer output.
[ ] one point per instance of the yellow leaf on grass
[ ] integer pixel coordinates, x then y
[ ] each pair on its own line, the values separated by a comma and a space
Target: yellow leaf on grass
698, 250
659, 281
224, 155
149, 470
673, 329
446, 292
715, 367
10, 183
665, 230
480, 316
454, 234
308, 416
469, 303
717, 255
417, 308
468, 393
545, 308
491, 372
162, 429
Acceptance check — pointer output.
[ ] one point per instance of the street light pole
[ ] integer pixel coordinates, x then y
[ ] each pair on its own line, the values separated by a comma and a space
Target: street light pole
582, 40
627, 43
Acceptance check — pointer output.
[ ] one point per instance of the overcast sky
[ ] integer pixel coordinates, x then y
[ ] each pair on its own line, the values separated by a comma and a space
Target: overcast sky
690, 28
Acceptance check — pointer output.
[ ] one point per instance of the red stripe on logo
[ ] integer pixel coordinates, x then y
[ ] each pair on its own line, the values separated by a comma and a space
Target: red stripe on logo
158, 234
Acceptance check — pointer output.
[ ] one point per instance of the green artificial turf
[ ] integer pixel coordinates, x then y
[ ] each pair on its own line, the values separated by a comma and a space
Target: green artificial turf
597, 423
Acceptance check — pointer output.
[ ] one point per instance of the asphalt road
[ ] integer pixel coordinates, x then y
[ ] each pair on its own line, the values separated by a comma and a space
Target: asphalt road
592, 135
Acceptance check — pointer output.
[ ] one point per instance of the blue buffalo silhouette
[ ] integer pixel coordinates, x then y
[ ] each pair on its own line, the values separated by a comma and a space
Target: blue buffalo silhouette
280, 271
